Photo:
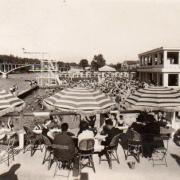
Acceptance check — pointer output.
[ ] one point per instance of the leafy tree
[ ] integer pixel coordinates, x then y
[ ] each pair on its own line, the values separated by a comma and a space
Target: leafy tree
94, 65
83, 63
118, 66
98, 62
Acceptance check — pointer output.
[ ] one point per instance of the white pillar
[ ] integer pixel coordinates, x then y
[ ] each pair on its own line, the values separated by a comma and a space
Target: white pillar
165, 79
165, 61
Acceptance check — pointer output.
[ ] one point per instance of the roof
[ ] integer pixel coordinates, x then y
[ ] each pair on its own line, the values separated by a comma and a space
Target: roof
131, 62
160, 49
107, 68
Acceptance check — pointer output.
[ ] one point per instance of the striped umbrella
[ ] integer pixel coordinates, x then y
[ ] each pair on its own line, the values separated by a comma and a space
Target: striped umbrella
81, 100
154, 98
9, 103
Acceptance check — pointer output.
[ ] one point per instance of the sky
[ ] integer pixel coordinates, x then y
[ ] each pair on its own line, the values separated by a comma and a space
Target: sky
78, 29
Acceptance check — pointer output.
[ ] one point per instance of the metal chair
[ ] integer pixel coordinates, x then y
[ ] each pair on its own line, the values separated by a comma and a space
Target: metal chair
34, 141
86, 150
7, 150
134, 144
48, 151
111, 151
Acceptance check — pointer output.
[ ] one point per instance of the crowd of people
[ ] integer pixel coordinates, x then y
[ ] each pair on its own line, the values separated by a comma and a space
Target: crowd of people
119, 88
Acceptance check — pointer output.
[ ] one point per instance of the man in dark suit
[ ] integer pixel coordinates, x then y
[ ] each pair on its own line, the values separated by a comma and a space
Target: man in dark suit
64, 145
149, 132
111, 133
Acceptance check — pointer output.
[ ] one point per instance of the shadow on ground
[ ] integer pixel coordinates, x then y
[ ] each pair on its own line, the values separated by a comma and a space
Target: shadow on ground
177, 158
83, 176
11, 174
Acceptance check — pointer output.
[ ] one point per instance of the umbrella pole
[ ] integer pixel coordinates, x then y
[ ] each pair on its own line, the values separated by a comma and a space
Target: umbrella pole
97, 121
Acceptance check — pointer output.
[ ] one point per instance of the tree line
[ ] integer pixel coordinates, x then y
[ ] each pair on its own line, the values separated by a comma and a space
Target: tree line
10, 59
97, 62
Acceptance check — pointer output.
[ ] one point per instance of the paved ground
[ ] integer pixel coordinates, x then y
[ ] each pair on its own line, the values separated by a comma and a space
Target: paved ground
31, 168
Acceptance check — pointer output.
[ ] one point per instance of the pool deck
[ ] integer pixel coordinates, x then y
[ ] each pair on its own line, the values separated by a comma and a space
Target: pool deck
32, 169
25, 92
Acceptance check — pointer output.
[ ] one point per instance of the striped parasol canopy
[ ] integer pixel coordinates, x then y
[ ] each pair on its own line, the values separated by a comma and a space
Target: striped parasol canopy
154, 98
80, 100
9, 102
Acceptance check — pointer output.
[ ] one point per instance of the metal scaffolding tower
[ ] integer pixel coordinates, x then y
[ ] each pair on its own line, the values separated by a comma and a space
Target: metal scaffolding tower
49, 70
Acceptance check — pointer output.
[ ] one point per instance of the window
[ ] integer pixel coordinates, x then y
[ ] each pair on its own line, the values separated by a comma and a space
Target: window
173, 79
173, 57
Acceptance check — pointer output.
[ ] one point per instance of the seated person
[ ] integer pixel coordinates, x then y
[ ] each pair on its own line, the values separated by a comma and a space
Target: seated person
84, 131
112, 131
45, 128
114, 119
150, 130
91, 123
151, 126
60, 141
37, 129
51, 123
163, 120
57, 120
105, 129
120, 120
139, 124
64, 129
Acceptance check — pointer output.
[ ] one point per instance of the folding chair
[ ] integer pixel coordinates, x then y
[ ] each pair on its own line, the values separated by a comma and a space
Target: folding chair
159, 151
134, 145
48, 151
86, 150
111, 151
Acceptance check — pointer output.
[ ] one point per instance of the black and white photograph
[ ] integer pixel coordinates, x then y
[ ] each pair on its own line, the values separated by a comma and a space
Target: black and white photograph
89, 89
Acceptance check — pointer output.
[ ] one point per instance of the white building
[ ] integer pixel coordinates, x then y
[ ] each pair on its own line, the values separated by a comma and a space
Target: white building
160, 66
